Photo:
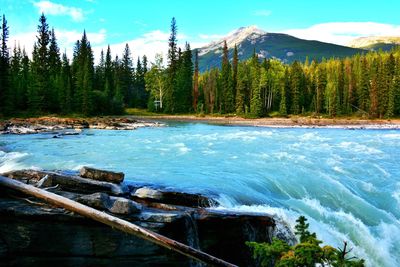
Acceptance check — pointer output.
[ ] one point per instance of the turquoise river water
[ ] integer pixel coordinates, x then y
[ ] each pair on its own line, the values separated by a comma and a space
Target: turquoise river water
347, 182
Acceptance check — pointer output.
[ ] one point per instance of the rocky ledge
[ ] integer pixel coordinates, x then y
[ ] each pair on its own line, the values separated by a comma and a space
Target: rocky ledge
54, 124
33, 233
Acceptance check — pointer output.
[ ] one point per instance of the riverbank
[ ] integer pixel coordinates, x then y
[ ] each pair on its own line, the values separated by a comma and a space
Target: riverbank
294, 121
132, 122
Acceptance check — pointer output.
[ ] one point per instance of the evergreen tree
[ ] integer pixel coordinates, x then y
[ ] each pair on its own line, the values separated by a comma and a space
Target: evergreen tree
54, 74
363, 94
12, 96
83, 74
242, 88
235, 62
373, 110
140, 85
196, 80
108, 75
255, 94
184, 82
65, 86
25, 81
4, 64
228, 105
126, 76
170, 92
297, 86
40, 66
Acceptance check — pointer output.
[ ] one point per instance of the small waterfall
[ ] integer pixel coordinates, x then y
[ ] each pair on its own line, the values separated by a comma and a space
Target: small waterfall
192, 238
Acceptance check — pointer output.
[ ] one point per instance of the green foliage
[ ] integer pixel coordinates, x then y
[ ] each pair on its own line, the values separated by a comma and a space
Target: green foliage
307, 253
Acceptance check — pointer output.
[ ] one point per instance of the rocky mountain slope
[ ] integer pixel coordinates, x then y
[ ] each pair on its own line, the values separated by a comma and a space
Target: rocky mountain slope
269, 45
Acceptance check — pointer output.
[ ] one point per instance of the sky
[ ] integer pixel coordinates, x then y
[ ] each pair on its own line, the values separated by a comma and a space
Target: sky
145, 24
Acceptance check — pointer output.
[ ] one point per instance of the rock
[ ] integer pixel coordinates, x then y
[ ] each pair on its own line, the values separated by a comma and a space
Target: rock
116, 205
174, 198
102, 175
33, 234
67, 182
148, 193
100, 201
124, 206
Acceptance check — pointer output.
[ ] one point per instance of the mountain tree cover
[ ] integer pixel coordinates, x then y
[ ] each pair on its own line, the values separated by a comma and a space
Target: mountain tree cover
363, 85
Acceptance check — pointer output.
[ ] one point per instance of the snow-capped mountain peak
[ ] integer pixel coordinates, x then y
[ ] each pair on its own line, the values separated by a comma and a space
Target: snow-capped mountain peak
234, 37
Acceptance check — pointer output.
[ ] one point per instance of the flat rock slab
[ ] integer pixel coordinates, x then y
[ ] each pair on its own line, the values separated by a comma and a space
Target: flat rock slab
174, 198
102, 175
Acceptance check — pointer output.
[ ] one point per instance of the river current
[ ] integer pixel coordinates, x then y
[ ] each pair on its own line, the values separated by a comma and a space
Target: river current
346, 182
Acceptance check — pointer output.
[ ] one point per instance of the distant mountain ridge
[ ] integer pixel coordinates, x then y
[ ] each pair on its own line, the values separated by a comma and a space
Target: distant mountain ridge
269, 45
386, 43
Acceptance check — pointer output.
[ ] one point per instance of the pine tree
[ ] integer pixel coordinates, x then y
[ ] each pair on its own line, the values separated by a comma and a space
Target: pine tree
196, 80
65, 85
255, 94
4, 64
228, 104
126, 76
41, 65
184, 81
235, 62
83, 74
373, 110
363, 94
170, 92
108, 75
14, 96
390, 80
297, 87
140, 85
241, 88
25, 80
54, 74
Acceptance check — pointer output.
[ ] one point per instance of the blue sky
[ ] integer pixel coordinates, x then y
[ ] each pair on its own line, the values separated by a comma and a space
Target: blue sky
144, 24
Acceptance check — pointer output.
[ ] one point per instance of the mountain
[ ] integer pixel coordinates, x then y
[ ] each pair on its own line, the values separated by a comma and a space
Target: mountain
269, 45
375, 43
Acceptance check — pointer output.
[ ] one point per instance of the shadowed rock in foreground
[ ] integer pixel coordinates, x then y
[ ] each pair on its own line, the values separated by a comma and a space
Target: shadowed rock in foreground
33, 233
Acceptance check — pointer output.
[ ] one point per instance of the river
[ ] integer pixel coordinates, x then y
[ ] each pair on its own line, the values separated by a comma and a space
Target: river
346, 182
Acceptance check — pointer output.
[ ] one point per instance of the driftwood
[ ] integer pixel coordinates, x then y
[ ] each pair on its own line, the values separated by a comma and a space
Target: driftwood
112, 221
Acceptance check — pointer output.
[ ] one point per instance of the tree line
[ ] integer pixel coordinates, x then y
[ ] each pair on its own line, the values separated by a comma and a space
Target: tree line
50, 83
364, 85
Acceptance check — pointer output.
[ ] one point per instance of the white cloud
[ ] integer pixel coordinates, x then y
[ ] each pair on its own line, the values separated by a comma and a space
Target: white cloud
50, 8
262, 13
343, 32
65, 39
149, 44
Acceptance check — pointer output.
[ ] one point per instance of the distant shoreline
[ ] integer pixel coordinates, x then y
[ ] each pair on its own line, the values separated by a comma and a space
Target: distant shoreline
292, 122
127, 122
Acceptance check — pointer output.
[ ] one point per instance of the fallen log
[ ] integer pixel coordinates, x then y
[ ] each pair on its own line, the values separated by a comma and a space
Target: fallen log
114, 222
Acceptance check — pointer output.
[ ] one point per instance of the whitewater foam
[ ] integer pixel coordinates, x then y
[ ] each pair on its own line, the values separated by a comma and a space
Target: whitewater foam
12, 161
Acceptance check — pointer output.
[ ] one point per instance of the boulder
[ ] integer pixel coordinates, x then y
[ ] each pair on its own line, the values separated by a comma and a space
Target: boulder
124, 206
174, 198
102, 175
100, 201
116, 205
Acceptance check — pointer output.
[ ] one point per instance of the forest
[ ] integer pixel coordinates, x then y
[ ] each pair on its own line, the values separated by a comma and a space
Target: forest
365, 85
